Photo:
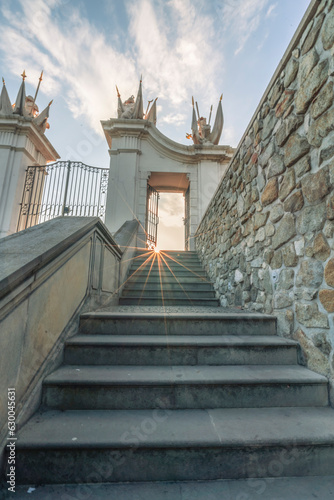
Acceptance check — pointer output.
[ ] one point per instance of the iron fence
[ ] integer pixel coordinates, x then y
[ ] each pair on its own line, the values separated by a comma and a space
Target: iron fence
63, 188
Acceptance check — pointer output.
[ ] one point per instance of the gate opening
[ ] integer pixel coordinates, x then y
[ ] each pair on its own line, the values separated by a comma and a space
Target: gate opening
171, 235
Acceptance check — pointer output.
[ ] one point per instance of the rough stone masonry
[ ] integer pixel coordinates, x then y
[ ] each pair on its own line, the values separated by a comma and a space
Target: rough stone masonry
267, 238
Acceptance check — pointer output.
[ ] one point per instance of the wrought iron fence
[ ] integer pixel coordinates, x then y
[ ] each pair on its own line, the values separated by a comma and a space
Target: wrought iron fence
63, 188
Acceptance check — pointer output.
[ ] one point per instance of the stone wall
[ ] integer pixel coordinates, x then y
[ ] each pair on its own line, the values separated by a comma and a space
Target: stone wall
267, 238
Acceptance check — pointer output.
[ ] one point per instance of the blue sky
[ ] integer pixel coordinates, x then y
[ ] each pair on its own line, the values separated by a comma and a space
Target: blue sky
181, 47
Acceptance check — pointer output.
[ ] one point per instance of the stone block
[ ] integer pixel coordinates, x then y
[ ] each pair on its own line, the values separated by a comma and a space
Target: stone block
302, 166
323, 101
326, 153
270, 229
307, 64
288, 184
284, 103
310, 316
312, 35
311, 86
290, 257
286, 279
291, 71
276, 166
316, 186
329, 273
315, 359
295, 148
321, 128
305, 294
311, 218
310, 274
268, 124
285, 231
276, 213
294, 203
282, 299
289, 125
327, 35
277, 260
327, 299
330, 208
285, 322
270, 192
321, 248
266, 154
299, 246
260, 219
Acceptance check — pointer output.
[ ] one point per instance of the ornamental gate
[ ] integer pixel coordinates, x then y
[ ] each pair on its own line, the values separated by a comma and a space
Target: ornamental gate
63, 188
152, 219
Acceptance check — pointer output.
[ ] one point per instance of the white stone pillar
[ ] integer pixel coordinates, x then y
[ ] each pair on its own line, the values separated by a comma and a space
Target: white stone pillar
122, 197
21, 145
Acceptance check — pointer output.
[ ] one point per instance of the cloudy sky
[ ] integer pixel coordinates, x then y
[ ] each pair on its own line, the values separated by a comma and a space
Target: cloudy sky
181, 47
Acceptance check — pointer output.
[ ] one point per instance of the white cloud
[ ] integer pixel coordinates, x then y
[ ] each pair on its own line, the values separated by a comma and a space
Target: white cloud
242, 18
175, 119
82, 66
270, 11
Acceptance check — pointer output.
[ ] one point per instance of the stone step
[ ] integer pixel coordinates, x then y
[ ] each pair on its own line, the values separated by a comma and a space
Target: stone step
179, 350
177, 323
167, 280
181, 292
268, 488
168, 286
175, 267
139, 387
168, 301
179, 445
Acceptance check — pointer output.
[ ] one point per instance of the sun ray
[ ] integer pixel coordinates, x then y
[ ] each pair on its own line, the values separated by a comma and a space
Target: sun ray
148, 275
177, 280
136, 271
185, 267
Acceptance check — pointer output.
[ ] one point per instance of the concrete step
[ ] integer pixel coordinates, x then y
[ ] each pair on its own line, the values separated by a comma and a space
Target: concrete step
177, 323
179, 350
171, 286
175, 268
139, 279
139, 387
181, 292
165, 445
268, 488
165, 271
168, 301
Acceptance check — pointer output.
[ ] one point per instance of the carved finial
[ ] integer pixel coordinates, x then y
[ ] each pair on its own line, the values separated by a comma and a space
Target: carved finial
41, 77
118, 94
50, 102
221, 97
141, 78
24, 76
192, 100
3, 81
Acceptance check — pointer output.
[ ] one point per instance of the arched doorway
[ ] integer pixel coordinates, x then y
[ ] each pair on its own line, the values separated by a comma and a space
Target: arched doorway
167, 207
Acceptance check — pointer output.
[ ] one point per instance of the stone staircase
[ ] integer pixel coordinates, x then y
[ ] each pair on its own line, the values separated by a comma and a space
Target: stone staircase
177, 394
168, 278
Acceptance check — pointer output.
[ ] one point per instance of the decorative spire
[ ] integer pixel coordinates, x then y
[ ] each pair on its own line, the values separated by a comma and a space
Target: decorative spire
41, 121
20, 102
151, 116
201, 133
120, 107
139, 111
39, 83
5, 104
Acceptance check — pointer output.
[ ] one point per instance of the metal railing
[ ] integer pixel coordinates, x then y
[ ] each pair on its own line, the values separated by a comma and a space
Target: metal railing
63, 188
